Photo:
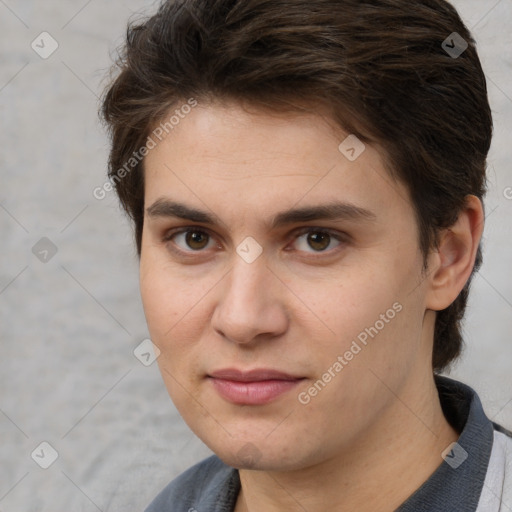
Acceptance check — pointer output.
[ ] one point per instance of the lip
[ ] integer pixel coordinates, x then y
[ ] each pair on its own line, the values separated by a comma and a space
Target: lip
254, 387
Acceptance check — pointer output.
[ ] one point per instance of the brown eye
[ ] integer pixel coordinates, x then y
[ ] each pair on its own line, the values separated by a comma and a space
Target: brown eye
188, 240
319, 241
196, 240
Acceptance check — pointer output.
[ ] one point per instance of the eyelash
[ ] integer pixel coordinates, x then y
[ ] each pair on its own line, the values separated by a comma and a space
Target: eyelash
340, 237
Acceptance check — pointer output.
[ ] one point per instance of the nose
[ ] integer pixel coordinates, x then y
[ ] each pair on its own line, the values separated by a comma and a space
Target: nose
250, 305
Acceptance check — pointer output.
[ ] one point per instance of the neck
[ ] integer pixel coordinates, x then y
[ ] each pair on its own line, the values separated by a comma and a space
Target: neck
405, 448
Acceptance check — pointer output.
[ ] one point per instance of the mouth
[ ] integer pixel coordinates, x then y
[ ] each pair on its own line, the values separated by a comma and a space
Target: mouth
254, 387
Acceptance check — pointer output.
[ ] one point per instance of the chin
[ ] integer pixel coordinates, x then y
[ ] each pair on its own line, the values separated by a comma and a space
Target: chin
247, 455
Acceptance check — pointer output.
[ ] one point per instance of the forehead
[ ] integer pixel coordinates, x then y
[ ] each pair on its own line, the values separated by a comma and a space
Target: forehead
255, 161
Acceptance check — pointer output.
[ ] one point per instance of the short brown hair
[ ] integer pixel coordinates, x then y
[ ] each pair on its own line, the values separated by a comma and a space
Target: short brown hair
379, 67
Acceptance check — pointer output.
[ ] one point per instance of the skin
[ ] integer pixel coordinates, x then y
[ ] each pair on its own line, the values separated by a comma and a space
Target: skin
298, 307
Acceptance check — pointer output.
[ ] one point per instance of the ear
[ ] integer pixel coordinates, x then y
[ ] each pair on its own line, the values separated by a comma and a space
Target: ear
451, 264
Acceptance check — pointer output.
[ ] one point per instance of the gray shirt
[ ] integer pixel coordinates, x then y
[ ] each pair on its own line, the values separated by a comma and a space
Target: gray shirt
467, 480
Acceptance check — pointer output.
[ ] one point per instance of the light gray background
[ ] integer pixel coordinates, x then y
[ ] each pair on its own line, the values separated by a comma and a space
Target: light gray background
69, 326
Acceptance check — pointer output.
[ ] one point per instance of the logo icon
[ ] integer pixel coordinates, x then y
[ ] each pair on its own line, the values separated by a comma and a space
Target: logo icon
44, 250
249, 250
147, 352
352, 148
44, 45
44, 455
454, 45
249, 455
455, 455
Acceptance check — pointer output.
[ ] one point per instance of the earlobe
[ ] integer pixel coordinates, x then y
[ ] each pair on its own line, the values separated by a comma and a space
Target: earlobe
455, 257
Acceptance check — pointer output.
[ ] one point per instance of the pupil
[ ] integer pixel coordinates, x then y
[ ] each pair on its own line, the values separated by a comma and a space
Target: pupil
316, 240
194, 237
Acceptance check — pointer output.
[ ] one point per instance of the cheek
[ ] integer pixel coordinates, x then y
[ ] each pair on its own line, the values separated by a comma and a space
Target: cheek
353, 378
370, 319
166, 295
174, 328
176, 309
158, 301
347, 302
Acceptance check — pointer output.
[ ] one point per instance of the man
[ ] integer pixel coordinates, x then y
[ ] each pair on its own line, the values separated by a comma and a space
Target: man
306, 179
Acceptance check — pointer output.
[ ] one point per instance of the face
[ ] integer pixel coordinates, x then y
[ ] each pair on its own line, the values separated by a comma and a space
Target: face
281, 282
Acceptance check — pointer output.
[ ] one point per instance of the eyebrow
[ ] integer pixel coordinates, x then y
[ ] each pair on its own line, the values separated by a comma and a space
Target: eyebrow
330, 211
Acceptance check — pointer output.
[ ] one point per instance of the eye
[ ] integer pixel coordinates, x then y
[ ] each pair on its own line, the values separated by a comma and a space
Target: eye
189, 239
317, 239
195, 240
